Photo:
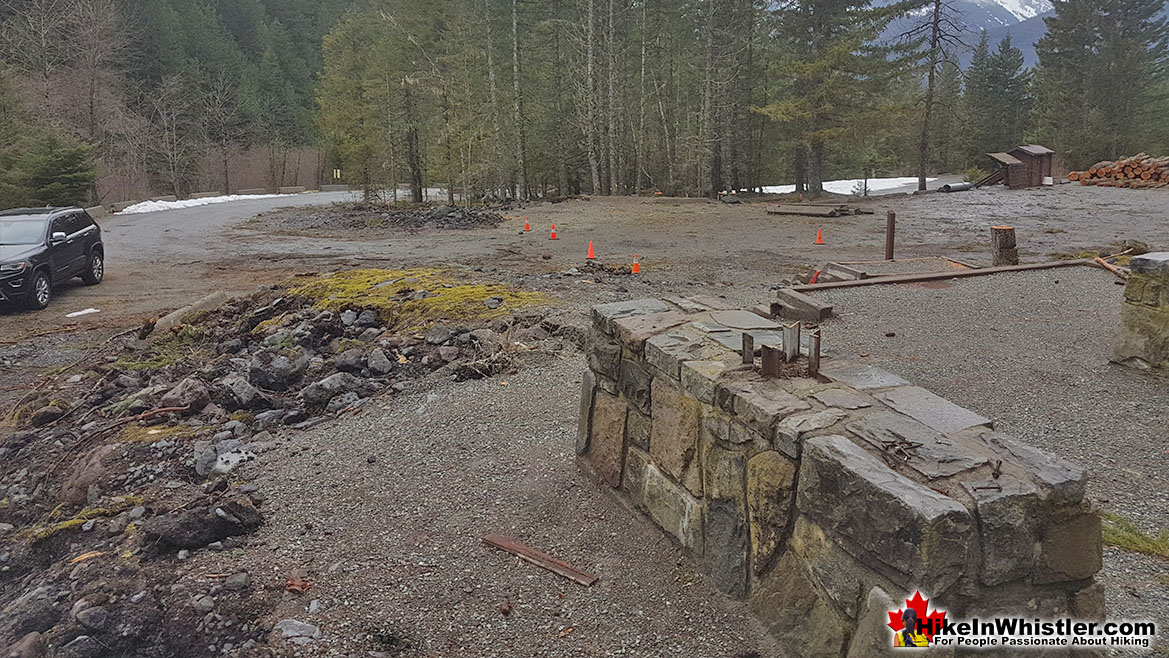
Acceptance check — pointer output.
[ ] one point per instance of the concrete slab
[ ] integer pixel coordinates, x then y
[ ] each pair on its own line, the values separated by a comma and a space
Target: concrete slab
743, 320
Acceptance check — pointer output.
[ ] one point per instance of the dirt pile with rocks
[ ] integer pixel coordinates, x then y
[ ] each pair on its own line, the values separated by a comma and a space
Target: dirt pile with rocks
367, 218
116, 470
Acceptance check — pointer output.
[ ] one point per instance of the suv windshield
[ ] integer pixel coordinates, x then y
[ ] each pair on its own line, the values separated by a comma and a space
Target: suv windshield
21, 231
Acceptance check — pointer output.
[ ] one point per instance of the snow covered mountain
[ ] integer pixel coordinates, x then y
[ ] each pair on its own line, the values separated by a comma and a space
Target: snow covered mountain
1022, 19
1021, 10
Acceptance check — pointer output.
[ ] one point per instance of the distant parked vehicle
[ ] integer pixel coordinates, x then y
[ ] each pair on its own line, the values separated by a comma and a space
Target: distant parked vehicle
41, 247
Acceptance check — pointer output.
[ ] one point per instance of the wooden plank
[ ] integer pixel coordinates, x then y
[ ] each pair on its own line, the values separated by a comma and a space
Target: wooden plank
540, 559
806, 210
936, 276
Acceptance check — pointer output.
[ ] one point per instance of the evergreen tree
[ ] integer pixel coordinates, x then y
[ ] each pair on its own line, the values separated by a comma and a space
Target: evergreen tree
1101, 66
978, 102
947, 153
837, 71
1011, 85
997, 99
46, 168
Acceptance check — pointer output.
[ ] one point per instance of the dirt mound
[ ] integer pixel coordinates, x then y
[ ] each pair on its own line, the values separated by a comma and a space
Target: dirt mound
348, 218
141, 456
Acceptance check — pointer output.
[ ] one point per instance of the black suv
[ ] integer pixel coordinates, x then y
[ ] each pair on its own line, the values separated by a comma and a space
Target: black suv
41, 247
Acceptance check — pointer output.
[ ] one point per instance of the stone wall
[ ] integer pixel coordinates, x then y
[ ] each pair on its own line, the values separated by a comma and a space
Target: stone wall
822, 501
1144, 337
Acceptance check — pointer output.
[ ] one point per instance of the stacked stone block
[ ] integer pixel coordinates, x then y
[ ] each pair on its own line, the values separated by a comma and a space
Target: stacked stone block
815, 499
1144, 337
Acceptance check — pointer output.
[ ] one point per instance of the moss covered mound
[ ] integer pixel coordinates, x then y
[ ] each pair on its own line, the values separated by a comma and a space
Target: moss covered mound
415, 299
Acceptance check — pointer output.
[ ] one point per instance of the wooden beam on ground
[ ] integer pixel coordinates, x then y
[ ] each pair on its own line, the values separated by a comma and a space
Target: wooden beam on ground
804, 209
842, 271
934, 276
529, 554
801, 307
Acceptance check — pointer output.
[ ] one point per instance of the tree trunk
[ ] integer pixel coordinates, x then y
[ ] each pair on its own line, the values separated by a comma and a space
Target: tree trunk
413, 154
816, 169
522, 183
707, 138
497, 144
591, 99
923, 148
558, 76
639, 138
611, 57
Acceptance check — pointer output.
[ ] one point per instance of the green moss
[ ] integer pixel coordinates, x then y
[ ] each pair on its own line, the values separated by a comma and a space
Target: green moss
244, 417
37, 533
349, 344
1123, 534
190, 334
451, 299
270, 323
152, 362
187, 344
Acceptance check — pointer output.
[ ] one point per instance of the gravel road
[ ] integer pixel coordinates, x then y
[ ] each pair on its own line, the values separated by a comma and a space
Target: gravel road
1031, 350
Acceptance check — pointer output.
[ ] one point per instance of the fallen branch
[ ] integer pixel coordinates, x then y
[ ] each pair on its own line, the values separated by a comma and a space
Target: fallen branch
529, 554
1111, 268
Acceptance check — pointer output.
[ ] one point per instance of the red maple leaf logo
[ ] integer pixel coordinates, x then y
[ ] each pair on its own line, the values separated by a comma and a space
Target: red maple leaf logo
930, 623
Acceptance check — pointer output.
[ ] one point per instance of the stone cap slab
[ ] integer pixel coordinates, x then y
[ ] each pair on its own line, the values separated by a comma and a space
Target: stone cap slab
921, 534
860, 376
932, 410
1057, 478
921, 448
634, 330
605, 314
1156, 264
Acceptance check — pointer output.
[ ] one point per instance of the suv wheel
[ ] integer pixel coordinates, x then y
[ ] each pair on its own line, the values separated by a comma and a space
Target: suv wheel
42, 291
95, 270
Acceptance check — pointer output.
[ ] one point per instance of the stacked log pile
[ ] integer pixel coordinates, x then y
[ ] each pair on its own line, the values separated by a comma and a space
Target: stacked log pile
1139, 171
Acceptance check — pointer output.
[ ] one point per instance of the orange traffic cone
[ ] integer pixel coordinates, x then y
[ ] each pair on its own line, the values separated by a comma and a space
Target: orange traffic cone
527, 226
636, 268
819, 236
553, 236
592, 255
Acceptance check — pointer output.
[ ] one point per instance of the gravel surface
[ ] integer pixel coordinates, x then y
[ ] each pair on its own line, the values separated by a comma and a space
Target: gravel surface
1032, 350
386, 511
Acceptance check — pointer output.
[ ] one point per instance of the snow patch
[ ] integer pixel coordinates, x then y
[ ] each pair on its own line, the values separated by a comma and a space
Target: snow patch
849, 186
158, 206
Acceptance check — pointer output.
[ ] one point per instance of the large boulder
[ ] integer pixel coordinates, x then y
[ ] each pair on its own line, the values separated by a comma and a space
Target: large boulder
235, 392
351, 360
87, 473
190, 393
278, 369
379, 363
319, 393
198, 527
